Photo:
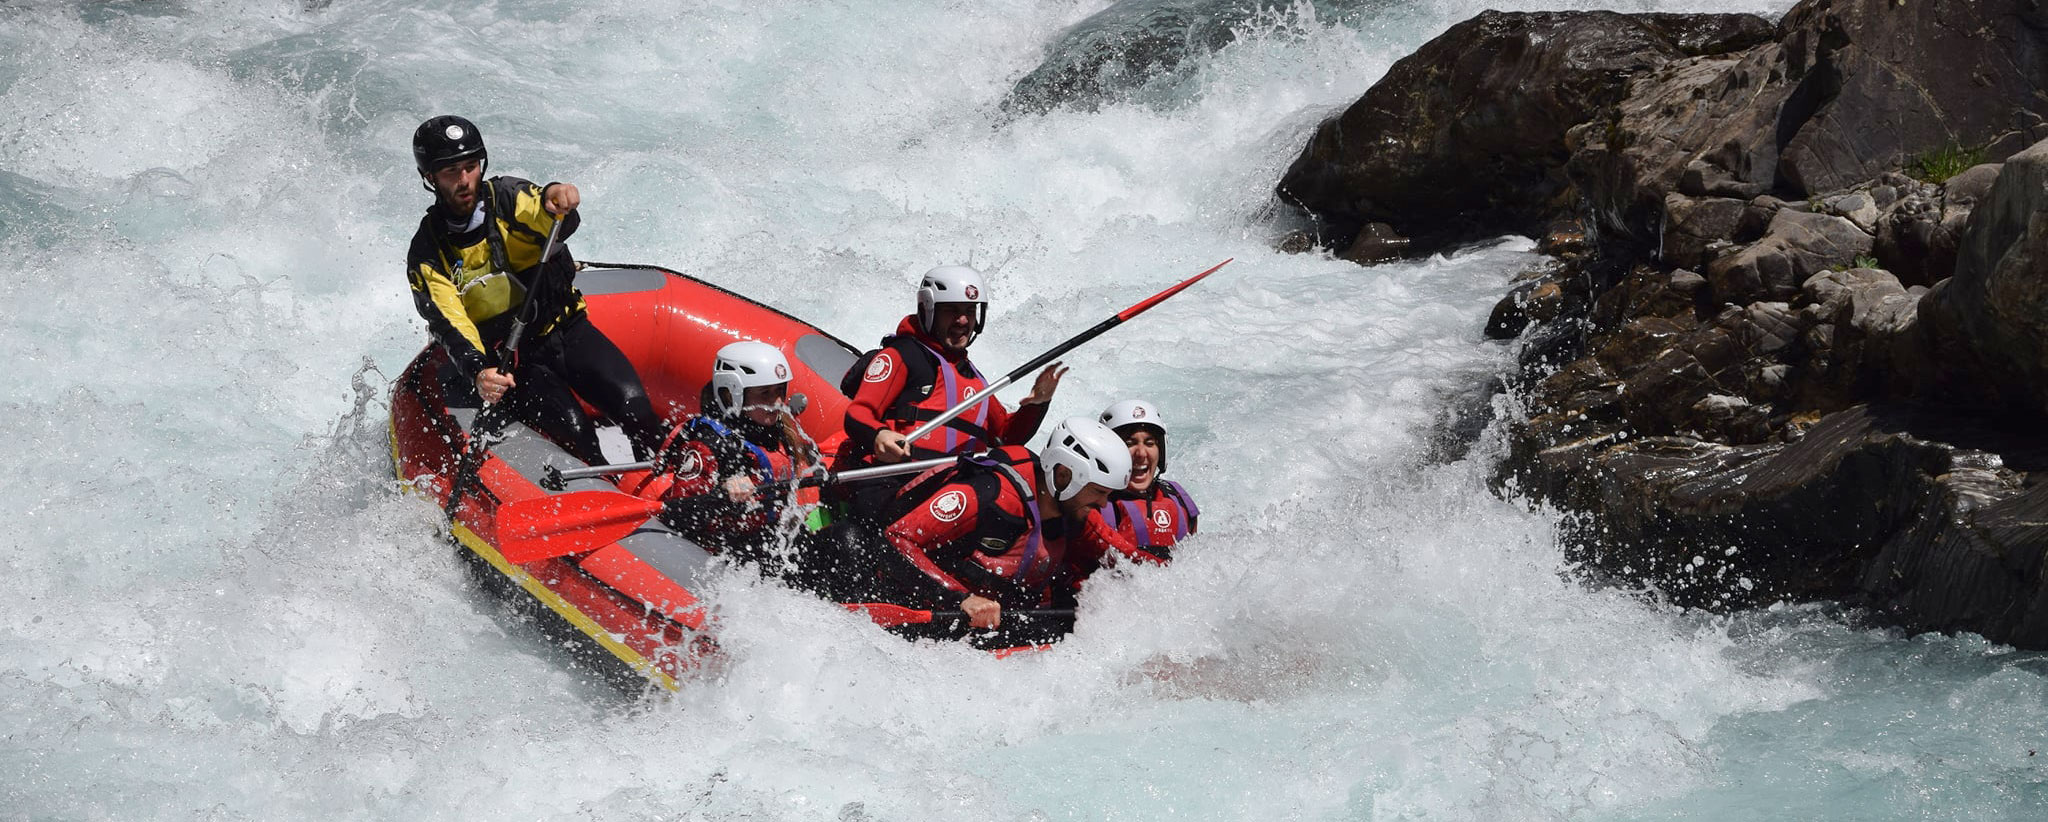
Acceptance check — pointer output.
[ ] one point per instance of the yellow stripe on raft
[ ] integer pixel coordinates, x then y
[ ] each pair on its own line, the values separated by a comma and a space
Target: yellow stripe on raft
555, 602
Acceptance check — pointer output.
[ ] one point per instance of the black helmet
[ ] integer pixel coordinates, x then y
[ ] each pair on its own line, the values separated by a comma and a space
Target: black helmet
446, 139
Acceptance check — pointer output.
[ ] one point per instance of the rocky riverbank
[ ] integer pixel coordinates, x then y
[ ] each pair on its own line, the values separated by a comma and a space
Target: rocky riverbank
1793, 342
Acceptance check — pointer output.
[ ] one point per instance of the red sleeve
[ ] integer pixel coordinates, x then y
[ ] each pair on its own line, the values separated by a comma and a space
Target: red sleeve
878, 389
932, 525
1019, 427
1100, 539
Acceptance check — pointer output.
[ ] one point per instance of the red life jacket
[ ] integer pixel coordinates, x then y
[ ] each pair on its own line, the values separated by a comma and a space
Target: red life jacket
1004, 556
921, 400
1154, 522
697, 457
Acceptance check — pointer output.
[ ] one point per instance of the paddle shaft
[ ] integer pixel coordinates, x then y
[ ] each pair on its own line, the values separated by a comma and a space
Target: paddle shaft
1021, 614
495, 417
855, 475
572, 523
1057, 351
889, 614
530, 311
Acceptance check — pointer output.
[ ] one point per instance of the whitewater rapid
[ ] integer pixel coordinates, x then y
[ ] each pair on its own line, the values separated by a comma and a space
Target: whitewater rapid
222, 608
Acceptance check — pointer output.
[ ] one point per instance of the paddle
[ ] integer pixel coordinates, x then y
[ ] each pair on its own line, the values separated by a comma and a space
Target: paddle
890, 615
1057, 350
541, 528
483, 433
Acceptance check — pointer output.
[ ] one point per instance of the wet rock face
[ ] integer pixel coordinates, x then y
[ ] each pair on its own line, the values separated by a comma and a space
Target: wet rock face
1780, 356
1991, 319
1875, 504
1134, 48
1465, 138
1124, 47
1851, 89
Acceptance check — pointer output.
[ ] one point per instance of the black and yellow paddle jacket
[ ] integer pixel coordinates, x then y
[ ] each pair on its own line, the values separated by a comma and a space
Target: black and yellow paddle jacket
470, 284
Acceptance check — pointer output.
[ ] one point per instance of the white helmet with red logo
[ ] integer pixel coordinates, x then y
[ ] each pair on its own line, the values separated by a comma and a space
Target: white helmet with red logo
1095, 455
743, 365
1129, 414
951, 284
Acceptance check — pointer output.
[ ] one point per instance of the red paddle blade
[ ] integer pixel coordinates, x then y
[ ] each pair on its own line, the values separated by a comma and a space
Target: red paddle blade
547, 527
888, 615
1160, 297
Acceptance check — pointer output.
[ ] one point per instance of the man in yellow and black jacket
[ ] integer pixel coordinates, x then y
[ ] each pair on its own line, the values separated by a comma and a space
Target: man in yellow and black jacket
475, 268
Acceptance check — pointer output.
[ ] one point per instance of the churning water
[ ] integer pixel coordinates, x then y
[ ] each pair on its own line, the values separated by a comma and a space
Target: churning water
219, 606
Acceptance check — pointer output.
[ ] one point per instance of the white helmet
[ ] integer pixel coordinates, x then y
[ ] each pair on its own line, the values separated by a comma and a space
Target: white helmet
951, 284
1136, 413
1088, 448
743, 365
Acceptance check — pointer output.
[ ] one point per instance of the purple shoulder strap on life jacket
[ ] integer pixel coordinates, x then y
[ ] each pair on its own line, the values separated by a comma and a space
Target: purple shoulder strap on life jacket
1180, 495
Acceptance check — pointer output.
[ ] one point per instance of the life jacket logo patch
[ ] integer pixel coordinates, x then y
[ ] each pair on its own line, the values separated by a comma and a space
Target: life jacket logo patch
689, 465
1162, 520
878, 369
949, 506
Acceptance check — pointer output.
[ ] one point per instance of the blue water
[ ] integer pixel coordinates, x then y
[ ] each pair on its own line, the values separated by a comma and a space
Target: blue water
222, 609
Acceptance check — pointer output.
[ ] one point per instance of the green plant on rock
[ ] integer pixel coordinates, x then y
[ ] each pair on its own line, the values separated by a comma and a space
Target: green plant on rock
1948, 161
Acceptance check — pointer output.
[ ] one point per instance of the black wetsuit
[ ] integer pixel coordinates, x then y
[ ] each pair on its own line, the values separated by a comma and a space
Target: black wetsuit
471, 278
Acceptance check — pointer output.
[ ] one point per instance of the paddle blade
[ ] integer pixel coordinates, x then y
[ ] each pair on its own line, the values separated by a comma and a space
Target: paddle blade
1161, 297
888, 615
547, 527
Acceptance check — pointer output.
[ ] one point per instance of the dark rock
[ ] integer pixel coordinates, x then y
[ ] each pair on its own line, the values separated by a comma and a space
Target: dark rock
1377, 243
1703, 179
1767, 161
1768, 328
1645, 292
1912, 242
1871, 505
1878, 350
1970, 72
1831, 292
1659, 395
1756, 219
1857, 207
1536, 300
1123, 48
1564, 238
1970, 187
1918, 236
1692, 223
1465, 137
1987, 322
1296, 242
1631, 346
1851, 89
1797, 245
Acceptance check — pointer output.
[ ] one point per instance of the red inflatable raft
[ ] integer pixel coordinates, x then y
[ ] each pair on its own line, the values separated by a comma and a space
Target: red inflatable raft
630, 600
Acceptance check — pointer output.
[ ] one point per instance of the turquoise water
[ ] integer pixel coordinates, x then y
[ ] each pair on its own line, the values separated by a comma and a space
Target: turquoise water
222, 609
